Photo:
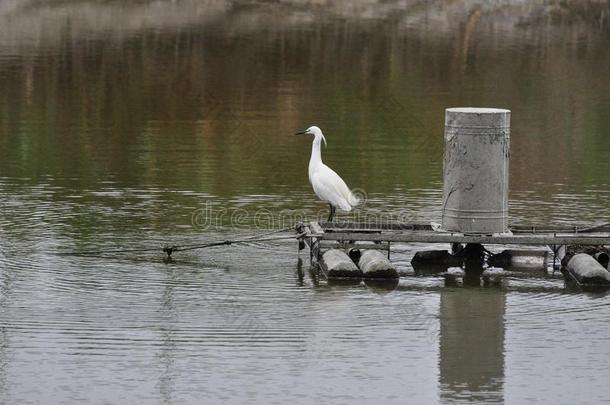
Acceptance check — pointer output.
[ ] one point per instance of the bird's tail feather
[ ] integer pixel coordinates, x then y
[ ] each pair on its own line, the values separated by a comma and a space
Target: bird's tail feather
345, 206
353, 200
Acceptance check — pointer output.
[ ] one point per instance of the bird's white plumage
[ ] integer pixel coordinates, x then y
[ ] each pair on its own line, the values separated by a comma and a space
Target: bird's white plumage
326, 183
331, 188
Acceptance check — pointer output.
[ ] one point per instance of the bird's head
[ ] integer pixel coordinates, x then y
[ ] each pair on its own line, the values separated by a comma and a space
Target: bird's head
315, 131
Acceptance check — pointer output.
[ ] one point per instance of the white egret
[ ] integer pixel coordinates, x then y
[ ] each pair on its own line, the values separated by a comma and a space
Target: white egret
327, 184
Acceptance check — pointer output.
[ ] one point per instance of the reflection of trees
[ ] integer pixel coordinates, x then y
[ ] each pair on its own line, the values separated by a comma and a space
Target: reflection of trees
137, 90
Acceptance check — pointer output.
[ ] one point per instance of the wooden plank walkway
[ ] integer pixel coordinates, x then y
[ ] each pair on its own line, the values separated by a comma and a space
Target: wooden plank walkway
423, 233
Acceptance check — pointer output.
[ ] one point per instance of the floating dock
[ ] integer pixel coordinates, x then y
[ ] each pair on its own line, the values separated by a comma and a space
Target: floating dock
474, 215
419, 232
321, 236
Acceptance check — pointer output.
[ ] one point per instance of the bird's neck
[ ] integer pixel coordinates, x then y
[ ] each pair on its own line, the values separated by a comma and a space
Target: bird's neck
316, 153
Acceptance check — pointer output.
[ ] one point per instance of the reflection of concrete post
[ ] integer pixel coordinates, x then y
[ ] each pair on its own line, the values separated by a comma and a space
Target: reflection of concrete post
472, 344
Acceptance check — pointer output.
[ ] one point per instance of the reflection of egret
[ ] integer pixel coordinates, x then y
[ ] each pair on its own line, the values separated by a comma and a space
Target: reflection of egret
325, 182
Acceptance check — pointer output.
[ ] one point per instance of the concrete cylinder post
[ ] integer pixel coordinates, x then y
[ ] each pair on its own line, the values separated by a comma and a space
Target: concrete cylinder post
475, 189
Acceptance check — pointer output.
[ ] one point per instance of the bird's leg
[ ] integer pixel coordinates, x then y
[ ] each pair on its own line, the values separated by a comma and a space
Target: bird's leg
332, 213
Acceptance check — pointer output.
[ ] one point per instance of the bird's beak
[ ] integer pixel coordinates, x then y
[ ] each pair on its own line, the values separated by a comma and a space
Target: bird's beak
301, 133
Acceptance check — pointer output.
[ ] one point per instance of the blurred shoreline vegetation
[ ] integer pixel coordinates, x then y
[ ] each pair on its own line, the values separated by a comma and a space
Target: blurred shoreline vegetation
23, 19
127, 88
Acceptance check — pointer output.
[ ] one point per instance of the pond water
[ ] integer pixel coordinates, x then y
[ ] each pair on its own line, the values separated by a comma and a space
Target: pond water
132, 125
